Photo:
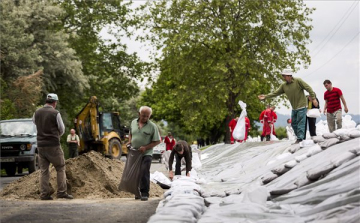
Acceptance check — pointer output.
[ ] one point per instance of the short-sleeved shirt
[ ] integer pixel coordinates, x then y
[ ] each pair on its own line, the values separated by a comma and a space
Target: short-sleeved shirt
333, 99
144, 136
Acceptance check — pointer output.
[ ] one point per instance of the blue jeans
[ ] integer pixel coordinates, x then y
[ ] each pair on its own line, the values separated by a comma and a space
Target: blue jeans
298, 122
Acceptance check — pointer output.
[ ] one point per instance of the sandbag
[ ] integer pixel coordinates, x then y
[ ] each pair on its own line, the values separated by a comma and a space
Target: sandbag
313, 113
280, 170
130, 179
301, 158
291, 164
328, 142
318, 139
356, 151
239, 131
354, 134
341, 132
343, 158
344, 138
315, 174
293, 148
313, 150
329, 135
283, 190
302, 181
268, 178
306, 143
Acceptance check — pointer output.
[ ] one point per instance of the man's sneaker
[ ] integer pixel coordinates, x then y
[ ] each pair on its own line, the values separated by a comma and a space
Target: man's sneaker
137, 198
65, 196
297, 141
144, 198
46, 198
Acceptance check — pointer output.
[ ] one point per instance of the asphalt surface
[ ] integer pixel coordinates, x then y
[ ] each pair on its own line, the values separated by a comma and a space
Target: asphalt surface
79, 210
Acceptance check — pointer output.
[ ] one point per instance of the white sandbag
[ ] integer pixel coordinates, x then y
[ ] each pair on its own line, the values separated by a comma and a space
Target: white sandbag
329, 135
344, 138
302, 181
282, 191
343, 158
268, 178
318, 139
239, 131
293, 148
306, 143
356, 151
341, 132
313, 113
273, 138
280, 170
328, 142
301, 157
313, 150
316, 173
291, 164
354, 134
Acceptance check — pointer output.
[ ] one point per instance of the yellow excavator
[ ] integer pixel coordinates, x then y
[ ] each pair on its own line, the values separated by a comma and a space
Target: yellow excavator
100, 131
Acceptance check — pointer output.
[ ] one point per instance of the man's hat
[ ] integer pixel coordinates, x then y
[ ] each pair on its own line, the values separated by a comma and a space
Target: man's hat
52, 96
287, 72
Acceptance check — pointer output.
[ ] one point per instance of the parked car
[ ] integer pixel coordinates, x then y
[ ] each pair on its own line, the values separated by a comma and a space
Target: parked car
158, 151
18, 145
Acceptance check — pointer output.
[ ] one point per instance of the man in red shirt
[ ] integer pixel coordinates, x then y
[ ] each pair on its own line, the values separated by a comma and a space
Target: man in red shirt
169, 141
332, 107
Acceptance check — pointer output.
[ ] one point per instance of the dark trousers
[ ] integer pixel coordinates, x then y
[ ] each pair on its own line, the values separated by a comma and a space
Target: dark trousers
145, 176
178, 164
73, 150
312, 126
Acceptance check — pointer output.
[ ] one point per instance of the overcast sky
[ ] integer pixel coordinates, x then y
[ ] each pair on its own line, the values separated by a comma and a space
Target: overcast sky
334, 51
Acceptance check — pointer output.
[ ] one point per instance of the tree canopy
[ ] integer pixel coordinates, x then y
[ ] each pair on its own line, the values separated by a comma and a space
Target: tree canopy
215, 53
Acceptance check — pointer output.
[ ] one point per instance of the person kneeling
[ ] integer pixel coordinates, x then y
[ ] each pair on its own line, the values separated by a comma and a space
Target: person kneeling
180, 150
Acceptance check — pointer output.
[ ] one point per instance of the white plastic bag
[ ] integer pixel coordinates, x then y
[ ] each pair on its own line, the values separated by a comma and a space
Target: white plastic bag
239, 131
313, 113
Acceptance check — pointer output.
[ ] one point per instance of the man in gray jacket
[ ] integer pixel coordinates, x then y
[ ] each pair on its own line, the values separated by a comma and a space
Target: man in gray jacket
50, 128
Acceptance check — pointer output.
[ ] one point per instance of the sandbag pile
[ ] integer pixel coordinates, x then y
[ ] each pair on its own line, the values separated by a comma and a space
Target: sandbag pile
314, 184
182, 202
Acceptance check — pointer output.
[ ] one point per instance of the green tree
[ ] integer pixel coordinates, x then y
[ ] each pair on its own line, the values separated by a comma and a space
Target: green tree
112, 72
31, 44
215, 53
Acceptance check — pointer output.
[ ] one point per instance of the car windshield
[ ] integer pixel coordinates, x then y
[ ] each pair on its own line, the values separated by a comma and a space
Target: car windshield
20, 128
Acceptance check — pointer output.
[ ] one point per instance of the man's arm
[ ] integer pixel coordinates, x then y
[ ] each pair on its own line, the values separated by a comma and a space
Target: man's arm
188, 161
60, 123
344, 103
278, 92
325, 107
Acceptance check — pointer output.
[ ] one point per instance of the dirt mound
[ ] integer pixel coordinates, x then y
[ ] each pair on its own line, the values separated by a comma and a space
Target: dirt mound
89, 176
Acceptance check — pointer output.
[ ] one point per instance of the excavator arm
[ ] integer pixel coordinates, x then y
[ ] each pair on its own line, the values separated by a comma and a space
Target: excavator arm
87, 124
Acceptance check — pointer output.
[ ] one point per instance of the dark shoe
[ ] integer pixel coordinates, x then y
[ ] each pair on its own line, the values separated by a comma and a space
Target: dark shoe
46, 198
144, 198
297, 141
137, 198
66, 196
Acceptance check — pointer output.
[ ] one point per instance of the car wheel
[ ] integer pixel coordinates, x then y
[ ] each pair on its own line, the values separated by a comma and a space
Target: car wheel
34, 165
10, 169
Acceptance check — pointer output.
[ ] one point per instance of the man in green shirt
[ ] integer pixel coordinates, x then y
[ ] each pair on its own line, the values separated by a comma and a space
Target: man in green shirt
294, 90
144, 135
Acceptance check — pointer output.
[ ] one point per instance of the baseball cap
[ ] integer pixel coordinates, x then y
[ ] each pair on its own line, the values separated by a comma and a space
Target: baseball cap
287, 72
52, 96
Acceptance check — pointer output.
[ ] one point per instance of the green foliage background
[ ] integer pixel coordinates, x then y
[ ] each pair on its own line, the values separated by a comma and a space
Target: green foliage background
209, 54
